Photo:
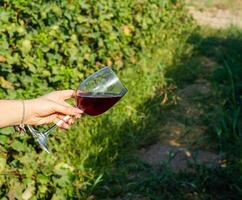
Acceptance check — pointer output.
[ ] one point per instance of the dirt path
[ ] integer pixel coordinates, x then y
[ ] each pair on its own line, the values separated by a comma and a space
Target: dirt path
217, 18
182, 140
217, 14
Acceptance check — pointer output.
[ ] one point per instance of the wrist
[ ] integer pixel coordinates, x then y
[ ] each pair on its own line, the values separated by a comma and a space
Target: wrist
28, 111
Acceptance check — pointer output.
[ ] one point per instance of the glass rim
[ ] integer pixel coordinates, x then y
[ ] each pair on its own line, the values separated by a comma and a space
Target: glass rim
124, 89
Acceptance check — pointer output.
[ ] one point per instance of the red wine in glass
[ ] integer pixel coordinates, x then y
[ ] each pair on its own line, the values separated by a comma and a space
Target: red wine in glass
95, 95
96, 103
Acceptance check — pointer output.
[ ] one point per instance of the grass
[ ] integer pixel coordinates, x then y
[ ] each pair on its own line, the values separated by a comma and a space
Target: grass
130, 178
139, 181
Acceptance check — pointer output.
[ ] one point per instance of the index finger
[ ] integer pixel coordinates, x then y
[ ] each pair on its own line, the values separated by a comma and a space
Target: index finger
67, 94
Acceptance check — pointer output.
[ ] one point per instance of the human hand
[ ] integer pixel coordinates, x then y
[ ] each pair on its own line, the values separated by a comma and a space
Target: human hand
51, 108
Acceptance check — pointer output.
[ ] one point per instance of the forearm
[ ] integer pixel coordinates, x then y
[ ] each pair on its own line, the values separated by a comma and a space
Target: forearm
11, 112
46, 109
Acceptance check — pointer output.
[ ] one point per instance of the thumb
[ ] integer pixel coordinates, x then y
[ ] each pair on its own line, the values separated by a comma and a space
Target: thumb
66, 110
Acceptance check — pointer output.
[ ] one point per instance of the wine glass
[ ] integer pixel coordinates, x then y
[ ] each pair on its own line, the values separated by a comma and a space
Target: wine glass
95, 95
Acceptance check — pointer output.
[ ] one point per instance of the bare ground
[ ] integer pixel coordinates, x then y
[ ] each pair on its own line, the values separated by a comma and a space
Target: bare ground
217, 14
217, 18
182, 140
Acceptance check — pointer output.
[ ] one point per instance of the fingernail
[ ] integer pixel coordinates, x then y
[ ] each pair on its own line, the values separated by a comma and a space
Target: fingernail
59, 122
66, 118
65, 126
78, 116
77, 110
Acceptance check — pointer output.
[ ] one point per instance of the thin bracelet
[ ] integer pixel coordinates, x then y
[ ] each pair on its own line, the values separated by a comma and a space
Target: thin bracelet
23, 114
20, 128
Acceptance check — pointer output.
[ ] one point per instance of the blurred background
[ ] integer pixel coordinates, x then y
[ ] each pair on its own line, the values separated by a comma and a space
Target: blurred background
177, 134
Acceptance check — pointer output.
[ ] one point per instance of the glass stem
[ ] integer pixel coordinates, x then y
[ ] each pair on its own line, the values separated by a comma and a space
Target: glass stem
47, 132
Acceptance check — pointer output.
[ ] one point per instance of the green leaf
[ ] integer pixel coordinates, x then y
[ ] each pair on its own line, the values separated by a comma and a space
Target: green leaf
18, 146
7, 131
42, 179
28, 193
26, 45
3, 139
2, 164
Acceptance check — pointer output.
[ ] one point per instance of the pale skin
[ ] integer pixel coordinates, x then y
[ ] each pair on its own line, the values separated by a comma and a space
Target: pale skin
50, 108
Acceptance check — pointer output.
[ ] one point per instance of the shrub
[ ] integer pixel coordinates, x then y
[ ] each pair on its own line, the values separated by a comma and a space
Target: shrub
54, 44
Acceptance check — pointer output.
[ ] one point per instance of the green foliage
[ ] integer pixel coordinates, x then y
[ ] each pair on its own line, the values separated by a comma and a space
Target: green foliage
46, 45
55, 44
132, 179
